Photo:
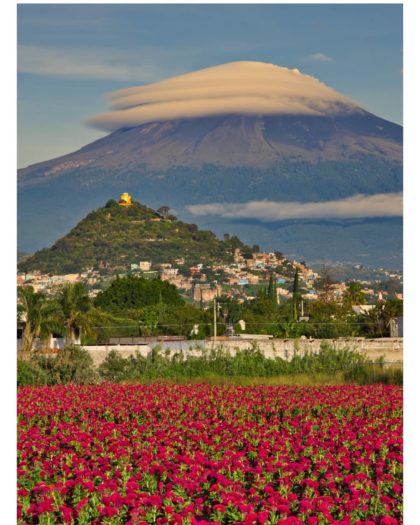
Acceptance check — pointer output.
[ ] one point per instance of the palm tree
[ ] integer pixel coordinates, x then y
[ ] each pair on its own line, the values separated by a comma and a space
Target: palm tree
39, 315
76, 310
353, 295
373, 323
291, 328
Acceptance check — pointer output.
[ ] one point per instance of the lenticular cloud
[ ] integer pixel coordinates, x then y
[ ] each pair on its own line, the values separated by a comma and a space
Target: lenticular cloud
246, 88
356, 206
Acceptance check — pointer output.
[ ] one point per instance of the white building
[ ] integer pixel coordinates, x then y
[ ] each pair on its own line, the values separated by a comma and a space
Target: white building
145, 266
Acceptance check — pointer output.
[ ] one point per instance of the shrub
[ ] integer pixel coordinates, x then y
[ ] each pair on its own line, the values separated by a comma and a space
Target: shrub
114, 368
30, 373
72, 364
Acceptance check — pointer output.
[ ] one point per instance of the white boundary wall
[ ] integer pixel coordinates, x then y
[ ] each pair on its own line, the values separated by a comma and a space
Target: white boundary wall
391, 348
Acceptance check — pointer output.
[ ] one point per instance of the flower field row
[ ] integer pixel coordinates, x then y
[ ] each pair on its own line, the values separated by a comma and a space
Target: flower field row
172, 454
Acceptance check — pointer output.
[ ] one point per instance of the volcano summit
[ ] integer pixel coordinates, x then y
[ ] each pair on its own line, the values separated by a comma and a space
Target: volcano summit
231, 135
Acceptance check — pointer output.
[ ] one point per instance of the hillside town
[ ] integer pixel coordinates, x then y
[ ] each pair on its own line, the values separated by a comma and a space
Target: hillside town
266, 288
242, 279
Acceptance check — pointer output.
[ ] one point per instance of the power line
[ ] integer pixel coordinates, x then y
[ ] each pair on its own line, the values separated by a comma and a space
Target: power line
252, 323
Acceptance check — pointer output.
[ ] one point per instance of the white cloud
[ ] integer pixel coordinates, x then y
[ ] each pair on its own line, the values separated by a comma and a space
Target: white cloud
77, 63
249, 88
320, 57
357, 206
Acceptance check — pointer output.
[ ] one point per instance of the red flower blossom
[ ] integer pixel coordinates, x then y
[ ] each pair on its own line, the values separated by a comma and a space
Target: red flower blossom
172, 454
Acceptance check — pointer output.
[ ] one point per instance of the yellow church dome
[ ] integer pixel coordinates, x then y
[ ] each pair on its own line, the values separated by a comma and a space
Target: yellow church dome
125, 200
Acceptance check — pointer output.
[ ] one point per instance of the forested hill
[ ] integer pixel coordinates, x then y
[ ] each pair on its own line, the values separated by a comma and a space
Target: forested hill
114, 236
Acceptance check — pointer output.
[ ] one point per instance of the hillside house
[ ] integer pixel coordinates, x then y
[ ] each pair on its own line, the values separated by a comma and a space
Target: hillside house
206, 292
145, 266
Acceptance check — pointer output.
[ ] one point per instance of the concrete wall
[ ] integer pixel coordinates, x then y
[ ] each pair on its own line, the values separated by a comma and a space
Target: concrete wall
390, 348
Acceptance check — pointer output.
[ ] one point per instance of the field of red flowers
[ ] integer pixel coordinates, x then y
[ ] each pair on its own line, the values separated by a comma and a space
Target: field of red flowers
172, 454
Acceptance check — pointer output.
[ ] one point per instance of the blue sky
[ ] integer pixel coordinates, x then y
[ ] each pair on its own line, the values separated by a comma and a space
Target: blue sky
70, 56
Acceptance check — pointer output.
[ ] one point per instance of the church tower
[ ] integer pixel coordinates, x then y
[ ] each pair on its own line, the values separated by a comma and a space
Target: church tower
125, 200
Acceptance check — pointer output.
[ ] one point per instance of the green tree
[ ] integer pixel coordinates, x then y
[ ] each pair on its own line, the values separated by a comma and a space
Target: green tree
150, 317
376, 322
391, 308
371, 323
133, 292
353, 295
38, 314
291, 329
272, 289
232, 310
296, 296
76, 310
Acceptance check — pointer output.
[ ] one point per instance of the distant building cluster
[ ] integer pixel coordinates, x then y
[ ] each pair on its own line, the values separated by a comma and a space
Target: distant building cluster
242, 279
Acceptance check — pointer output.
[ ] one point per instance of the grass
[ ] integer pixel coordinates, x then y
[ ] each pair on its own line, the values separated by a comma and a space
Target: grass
215, 379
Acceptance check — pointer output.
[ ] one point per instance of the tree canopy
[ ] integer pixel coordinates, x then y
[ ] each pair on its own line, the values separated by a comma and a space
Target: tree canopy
132, 292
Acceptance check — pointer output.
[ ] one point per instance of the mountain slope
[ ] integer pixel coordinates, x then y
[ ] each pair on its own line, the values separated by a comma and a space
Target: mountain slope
234, 133
115, 236
230, 141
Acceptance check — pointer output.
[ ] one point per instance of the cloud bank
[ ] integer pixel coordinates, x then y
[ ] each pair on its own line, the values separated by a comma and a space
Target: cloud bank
357, 206
246, 88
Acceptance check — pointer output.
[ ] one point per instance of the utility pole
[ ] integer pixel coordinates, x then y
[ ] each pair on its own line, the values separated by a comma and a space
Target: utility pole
214, 320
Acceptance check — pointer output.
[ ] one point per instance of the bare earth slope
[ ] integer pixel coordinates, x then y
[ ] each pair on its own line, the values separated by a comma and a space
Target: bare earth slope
232, 141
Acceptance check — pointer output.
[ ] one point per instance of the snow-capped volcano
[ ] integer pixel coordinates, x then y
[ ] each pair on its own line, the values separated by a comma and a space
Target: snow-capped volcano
236, 114
231, 134
236, 88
